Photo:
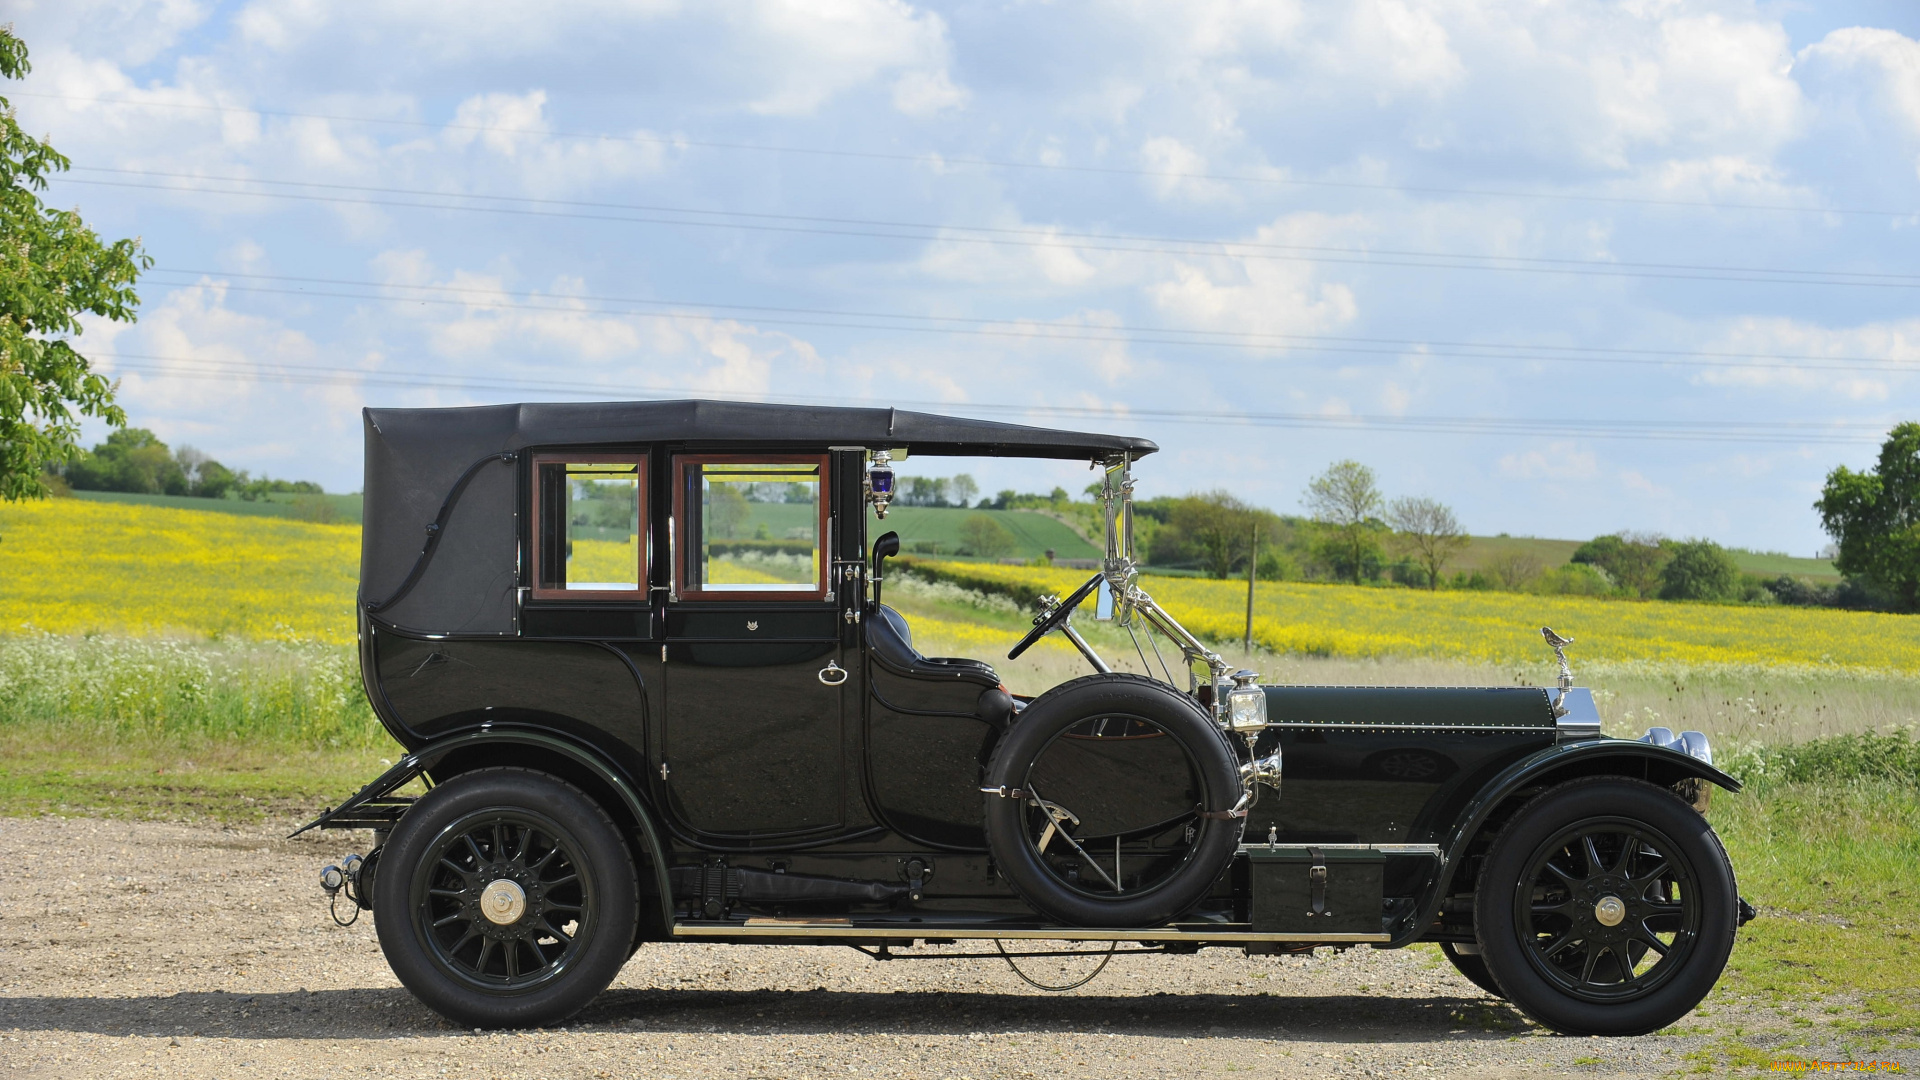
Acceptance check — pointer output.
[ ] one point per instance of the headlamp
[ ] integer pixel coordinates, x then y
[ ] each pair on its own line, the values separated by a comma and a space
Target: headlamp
1246, 703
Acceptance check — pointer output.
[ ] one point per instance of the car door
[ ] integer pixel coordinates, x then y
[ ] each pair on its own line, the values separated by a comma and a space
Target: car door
752, 733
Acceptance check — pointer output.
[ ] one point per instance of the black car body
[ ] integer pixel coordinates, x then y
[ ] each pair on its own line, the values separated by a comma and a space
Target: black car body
774, 761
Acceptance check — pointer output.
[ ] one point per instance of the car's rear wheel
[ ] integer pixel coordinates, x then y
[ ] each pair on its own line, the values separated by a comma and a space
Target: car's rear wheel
506, 899
1606, 907
1471, 965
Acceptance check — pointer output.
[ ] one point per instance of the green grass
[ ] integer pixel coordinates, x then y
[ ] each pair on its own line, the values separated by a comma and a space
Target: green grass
1773, 564
335, 509
1033, 532
227, 781
1483, 551
1831, 867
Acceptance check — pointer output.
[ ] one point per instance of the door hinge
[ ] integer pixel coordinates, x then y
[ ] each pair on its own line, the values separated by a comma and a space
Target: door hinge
664, 771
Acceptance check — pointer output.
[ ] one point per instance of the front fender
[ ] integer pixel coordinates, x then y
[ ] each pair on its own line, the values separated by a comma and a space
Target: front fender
1593, 757
433, 753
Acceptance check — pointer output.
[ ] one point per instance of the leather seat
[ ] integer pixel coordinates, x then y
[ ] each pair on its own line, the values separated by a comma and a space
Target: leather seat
892, 644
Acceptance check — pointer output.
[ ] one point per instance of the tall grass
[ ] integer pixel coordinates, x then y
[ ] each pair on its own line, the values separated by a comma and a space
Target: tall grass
291, 695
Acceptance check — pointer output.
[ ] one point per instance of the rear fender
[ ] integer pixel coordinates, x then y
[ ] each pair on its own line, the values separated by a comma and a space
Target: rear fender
1603, 757
453, 754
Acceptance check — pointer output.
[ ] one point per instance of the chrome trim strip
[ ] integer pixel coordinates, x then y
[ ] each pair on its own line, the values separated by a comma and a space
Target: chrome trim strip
1411, 728
1386, 849
832, 930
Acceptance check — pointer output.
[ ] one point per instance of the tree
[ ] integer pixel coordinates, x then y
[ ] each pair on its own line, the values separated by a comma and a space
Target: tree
132, 459
53, 269
1345, 500
963, 489
727, 509
1209, 529
1514, 570
923, 491
1632, 560
1427, 530
1699, 570
984, 537
1874, 517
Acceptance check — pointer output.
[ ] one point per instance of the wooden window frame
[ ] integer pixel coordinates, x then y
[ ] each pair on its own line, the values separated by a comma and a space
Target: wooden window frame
681, 534
642, 541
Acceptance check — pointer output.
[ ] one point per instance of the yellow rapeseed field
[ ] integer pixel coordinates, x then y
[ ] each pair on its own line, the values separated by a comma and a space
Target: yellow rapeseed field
73, 567
1338, 620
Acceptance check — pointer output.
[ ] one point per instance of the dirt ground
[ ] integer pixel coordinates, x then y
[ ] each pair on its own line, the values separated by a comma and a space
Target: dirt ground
141, 949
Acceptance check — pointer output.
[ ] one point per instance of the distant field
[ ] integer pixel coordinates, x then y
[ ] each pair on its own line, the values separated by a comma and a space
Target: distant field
78, 566
345, 509
1344, 621
1484, 550
1033, 532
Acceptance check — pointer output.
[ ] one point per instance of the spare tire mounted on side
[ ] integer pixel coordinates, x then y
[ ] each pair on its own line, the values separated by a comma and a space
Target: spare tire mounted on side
1113, 801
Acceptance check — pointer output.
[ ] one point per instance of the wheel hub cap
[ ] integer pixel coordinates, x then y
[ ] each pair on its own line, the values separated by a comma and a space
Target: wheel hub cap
1610, 911
504, 901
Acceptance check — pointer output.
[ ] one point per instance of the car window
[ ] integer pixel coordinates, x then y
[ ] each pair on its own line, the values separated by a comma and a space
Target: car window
751, 528
589, 540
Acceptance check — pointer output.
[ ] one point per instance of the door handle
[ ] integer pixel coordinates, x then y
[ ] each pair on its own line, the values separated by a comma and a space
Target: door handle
833, 674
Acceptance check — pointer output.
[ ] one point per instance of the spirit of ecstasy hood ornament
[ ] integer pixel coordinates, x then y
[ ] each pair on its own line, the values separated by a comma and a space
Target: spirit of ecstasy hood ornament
1558, 644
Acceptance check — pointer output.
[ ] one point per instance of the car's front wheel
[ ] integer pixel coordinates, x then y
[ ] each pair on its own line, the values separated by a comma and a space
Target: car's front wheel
1606, 907
506, 898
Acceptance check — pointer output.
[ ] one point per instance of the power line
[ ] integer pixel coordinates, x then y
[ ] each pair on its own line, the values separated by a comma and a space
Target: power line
1120, 244
982, 162
1046, 236
1780, 432
450, 296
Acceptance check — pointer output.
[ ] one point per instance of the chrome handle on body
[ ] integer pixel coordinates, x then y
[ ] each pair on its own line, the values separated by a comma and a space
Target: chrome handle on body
833, 674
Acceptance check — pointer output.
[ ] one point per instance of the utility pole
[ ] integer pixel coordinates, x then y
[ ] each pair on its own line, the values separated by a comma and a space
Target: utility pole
1253, 561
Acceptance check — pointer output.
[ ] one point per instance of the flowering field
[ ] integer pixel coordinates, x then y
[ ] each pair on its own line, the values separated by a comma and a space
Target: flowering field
75, 567
1342, 621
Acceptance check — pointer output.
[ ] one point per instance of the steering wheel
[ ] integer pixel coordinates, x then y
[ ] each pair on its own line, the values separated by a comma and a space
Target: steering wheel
1052, 620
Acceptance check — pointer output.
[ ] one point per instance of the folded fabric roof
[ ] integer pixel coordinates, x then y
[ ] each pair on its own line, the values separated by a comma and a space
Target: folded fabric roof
416, 457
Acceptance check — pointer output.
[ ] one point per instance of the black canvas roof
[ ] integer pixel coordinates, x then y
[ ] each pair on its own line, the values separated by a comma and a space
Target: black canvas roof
416, 457
516, 426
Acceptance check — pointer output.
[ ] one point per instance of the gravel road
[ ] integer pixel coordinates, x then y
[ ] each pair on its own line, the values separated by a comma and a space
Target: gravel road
141, 949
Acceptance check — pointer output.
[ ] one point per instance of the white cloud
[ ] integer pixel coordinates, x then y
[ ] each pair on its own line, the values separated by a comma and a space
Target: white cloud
1894, 57
1559, 461
1635, 481
1850, 356
1179, 172
777, 57
127, 32
1259, 295
1043, 259
482, 323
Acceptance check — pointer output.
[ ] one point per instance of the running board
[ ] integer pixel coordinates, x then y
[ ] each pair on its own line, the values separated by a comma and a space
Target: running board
1198, 934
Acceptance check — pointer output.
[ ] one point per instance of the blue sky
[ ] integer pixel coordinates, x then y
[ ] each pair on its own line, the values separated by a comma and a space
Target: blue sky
1571, 268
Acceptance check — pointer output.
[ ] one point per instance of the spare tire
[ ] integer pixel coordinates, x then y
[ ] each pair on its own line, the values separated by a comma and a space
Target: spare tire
1108, 802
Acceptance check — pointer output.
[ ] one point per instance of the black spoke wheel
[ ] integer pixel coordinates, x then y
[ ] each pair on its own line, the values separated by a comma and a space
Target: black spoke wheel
501, 899
1115, 788
507, 899
1606, 907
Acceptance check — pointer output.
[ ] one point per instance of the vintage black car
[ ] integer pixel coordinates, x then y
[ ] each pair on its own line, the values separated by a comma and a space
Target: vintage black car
637, 653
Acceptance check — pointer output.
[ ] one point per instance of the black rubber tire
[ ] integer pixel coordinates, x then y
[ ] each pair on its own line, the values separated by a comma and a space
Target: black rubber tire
1061, 708
1605, 798
608, 883
1473, 966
